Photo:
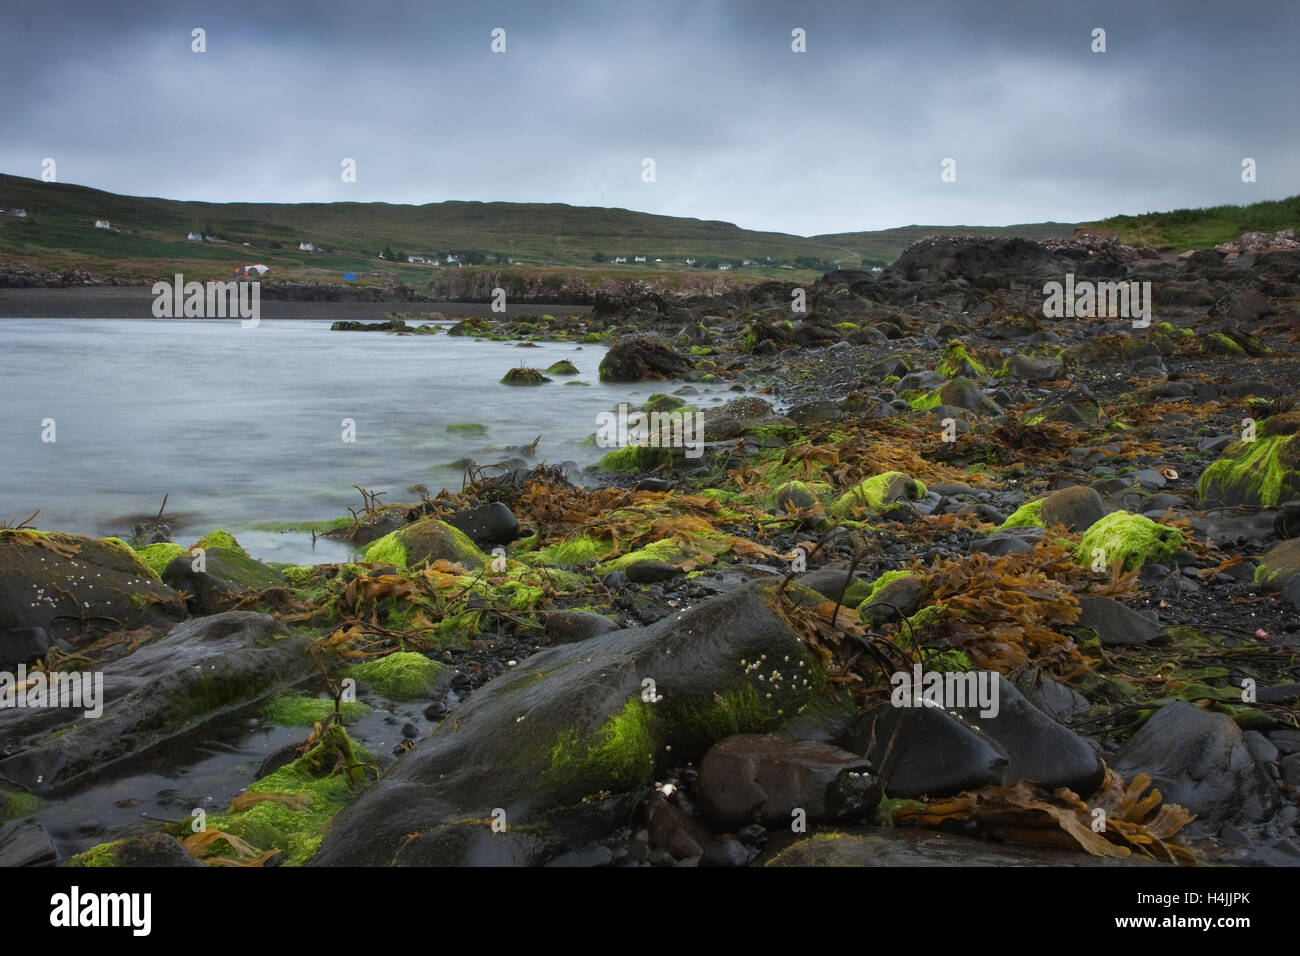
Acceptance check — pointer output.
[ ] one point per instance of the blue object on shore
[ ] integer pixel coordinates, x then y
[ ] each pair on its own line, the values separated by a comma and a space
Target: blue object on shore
350, 275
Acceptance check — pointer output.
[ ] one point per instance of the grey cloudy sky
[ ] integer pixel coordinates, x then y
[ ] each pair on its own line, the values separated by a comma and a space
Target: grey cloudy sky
849, 135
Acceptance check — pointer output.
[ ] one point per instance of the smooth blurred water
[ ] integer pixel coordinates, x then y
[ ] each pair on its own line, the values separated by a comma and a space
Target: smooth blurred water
241, 426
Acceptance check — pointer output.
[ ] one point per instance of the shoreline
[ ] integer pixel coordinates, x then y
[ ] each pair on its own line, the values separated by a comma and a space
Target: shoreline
136, 302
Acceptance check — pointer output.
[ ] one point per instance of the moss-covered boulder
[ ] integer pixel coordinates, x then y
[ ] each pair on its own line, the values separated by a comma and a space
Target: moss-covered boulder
169, 686
892, 593
640, 358
562, 367
74, 586
878, 491
150, 849
961, 392
215, 571
576, 721
957, 361
425, 541
1279, 565
634, 459
1262, 473
404, 675
1077, 508
1134, 540
524, 376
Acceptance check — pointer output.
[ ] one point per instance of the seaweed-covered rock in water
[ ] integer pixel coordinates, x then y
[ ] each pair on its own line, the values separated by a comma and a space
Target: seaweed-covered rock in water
640, 358
524, 376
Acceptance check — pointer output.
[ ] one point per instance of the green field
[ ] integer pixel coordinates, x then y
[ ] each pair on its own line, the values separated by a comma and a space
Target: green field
1185, 229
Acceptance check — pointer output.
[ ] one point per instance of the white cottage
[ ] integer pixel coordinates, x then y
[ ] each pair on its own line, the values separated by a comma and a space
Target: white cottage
306, 247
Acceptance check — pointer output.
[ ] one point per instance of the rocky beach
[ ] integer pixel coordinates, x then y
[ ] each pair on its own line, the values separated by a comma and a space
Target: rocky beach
954, 578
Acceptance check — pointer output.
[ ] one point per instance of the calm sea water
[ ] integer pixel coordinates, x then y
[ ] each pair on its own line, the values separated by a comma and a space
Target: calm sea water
244, 426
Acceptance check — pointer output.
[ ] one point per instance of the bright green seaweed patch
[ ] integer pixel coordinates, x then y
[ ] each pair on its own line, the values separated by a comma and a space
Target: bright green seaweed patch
467, 428
631, 459
1134, 539
387, 550
156, 557
220, 539
403, 675
328, 776
957, 361
308, 711
1263, 473
621, 752
1028, 515
15, 804
871, 492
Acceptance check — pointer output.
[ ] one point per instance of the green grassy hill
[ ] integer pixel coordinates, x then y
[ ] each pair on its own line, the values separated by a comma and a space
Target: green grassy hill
151, 236
1185, 229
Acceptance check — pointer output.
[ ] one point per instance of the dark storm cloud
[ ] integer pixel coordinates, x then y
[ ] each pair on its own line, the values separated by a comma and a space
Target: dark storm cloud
849, 135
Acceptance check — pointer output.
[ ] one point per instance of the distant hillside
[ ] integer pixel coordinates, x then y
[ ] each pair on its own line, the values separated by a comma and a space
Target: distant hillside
149, 236
1185, 229
883, 246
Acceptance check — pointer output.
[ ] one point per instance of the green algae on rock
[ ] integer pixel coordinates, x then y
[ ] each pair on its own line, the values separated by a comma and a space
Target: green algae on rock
562, 367
403, 675
1133, 539
318, 785
426, 540
879, 490
524, 376
1279, 565
1028, 515
1261, 473
308, 711
156, 557
957, 361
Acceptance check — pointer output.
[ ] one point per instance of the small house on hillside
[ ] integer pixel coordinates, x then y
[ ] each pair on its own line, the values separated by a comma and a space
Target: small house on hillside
453, 260
638, 258
20, 213
195, 237
306, 247
690, 262
724, 265
620, 258
103, 224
